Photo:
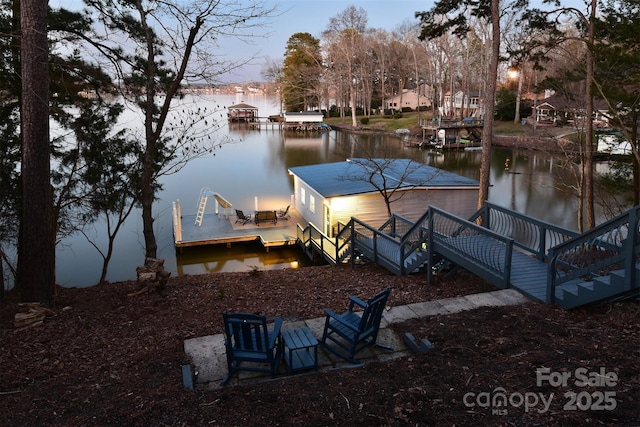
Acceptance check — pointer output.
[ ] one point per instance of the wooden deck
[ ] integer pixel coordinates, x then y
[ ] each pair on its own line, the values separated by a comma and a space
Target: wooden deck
218, 229
545, 262
529, 275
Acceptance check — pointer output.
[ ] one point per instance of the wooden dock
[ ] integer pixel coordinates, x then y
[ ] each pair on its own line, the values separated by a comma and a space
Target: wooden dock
266, 124
454, 134
221, 229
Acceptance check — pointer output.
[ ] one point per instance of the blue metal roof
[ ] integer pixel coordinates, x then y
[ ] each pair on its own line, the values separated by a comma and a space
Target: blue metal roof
355, 176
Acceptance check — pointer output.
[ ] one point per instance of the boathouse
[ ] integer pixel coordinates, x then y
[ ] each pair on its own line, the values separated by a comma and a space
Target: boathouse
304, 121
328, 193
242, 113
303, 117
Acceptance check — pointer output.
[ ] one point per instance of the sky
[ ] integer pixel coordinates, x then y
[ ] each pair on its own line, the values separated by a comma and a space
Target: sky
310, 16
313, 17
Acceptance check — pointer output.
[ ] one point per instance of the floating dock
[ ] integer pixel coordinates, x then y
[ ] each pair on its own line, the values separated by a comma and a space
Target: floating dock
222, 229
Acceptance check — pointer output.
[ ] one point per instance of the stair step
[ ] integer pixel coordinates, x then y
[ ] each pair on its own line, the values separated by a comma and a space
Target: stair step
579, 292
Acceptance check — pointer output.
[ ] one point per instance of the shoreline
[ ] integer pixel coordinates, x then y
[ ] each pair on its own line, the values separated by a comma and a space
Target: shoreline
549, 142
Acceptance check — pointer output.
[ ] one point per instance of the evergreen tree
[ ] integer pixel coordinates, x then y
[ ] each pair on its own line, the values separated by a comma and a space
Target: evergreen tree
302, 72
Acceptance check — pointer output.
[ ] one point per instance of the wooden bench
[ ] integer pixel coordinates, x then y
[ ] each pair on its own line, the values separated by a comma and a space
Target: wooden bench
265, 216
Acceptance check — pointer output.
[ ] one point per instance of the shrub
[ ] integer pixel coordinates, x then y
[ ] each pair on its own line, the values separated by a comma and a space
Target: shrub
364, 120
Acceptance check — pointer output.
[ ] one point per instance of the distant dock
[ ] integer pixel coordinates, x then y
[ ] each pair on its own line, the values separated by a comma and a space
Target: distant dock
446, 133
221, 229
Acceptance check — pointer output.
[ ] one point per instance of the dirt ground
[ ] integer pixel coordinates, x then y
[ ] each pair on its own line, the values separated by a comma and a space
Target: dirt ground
104, 358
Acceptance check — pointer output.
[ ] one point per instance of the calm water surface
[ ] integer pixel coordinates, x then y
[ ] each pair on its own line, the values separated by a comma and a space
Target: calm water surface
256, 165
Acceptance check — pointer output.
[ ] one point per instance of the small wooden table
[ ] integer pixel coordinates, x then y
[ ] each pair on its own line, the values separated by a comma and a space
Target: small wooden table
301, 350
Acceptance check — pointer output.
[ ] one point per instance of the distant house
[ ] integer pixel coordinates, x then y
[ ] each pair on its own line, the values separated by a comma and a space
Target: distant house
328, 193
407, 99
558, 109
464, 104
242, 113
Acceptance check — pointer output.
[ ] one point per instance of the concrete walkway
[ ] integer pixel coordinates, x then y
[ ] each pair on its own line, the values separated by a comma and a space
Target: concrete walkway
208, 359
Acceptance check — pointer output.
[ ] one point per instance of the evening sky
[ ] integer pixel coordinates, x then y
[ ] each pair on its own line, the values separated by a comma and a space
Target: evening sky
310, 16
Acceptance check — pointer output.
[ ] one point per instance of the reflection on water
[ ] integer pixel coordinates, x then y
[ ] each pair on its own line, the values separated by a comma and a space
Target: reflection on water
254, 170
238, 257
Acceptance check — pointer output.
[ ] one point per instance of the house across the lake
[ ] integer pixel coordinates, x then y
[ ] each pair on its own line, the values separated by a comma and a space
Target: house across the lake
560, 110
407, 99
328, 193
463, 104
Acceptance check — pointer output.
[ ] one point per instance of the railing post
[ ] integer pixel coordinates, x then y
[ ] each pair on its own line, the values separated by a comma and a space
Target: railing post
551, 275
543, 243
401, 260
484, 216
629, 252
353, 243
430, 248
507, 262
375, 247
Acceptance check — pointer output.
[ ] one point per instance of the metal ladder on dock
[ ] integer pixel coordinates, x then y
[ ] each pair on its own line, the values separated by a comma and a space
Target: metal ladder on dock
205, 192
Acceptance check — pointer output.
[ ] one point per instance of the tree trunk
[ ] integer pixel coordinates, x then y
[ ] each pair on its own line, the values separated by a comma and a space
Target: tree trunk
147, 195
1, 276
635, 159
516, 118
489, 101
36, 256
589, 199
352, 96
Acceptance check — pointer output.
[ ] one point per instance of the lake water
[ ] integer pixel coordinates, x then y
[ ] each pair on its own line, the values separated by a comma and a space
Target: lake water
256, 165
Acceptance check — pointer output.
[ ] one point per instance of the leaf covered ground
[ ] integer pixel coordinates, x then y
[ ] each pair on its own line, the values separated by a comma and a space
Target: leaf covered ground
104, 358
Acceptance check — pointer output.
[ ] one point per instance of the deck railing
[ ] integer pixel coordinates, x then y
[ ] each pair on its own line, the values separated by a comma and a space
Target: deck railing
476, 248
613, 245
376, 245
532, 235
396, 226
344, 241
312, 236
436, 123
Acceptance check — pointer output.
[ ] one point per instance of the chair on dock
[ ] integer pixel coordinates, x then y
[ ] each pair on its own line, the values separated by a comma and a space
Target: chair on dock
248, 341
241, 217
284, 213
351, 332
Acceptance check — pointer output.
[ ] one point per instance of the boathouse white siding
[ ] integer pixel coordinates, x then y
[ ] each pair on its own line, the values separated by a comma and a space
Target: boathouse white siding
324, 196
304, 117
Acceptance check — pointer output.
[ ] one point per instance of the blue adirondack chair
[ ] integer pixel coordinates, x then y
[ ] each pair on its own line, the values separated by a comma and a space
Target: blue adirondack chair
347, 333
250, 345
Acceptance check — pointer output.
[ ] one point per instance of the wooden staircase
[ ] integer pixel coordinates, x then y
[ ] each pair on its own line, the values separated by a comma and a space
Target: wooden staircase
508, 249
600, 265
612, 287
